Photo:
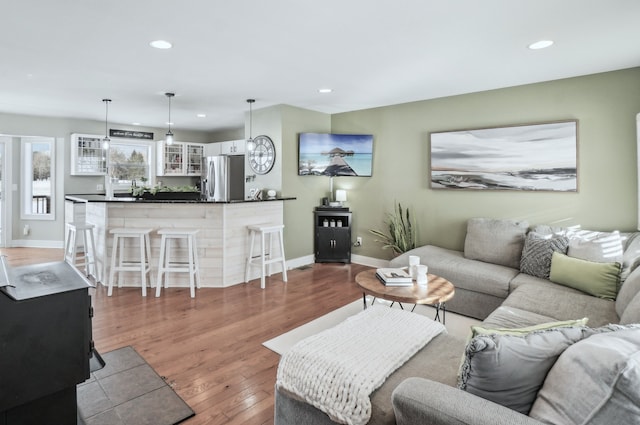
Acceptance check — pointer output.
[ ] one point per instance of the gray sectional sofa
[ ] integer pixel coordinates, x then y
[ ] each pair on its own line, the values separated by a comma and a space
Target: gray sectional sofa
491, 286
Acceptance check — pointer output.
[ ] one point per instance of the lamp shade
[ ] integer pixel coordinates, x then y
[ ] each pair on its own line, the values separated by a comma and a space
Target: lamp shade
341, 195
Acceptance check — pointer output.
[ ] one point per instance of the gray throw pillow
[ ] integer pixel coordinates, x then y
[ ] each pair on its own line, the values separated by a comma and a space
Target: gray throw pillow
595, 382
537, 252
496, 241
508, 369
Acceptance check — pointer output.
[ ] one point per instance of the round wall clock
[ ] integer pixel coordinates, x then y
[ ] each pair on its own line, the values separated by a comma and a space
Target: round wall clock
263, 155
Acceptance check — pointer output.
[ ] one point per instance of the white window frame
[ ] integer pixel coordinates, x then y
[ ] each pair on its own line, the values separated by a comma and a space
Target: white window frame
26, 181
151, 160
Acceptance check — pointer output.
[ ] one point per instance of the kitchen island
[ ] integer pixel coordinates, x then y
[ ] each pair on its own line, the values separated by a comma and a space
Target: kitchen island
223, 242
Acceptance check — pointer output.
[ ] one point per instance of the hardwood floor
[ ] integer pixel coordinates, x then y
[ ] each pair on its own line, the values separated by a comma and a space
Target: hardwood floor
210, 348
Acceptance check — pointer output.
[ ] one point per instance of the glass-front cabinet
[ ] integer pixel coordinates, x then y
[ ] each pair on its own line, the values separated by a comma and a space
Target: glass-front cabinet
194, 159
179, 159
87, 156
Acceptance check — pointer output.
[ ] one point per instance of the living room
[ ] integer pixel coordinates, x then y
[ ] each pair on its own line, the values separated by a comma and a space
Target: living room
605, 104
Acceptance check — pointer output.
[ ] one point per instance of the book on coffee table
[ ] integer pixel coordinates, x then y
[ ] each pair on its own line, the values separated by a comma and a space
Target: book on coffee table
394, 277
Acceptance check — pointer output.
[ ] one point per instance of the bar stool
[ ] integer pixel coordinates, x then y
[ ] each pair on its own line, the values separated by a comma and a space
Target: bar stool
88, 258
263, 230
143, 266
165, 265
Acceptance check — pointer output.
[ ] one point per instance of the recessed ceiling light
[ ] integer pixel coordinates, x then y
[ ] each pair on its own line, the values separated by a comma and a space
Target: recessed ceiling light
201, 115
161, 44
169, 123
542, 44
325, 90
135, 123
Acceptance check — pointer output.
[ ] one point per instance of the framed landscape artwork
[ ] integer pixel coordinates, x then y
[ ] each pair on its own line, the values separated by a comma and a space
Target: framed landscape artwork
538, 157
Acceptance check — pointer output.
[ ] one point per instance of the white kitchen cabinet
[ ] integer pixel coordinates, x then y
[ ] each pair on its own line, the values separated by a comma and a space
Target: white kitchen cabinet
179, 159
233, 147
87, 156
212, 149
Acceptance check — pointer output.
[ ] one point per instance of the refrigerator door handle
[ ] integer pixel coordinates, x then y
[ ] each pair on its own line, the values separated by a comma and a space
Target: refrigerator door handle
211, 179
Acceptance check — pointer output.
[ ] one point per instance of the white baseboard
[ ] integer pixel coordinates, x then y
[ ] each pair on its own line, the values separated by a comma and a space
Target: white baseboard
358, 259
369, 261
27, 243
300, 261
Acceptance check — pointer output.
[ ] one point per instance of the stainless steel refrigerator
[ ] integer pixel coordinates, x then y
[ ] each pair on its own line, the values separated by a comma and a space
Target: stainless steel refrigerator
223, 178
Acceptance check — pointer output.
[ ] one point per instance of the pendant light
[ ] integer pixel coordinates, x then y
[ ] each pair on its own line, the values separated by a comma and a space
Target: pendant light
106, 140
250, 145
169, 135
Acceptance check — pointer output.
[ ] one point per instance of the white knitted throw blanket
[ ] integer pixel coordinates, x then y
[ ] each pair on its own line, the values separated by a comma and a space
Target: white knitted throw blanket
337, 370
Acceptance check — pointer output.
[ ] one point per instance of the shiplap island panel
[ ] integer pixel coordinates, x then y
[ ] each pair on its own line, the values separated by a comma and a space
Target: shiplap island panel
223, 242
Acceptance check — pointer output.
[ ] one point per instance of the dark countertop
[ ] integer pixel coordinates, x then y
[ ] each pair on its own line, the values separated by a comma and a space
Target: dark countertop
121, 199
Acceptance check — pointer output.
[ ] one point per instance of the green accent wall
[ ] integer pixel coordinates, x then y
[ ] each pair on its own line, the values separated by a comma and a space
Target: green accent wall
605, 106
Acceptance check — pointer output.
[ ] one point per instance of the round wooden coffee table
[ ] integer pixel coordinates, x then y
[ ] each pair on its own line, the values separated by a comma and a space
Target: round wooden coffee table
436, 293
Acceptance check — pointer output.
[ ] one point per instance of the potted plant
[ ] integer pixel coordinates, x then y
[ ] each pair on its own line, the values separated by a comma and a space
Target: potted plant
402, 232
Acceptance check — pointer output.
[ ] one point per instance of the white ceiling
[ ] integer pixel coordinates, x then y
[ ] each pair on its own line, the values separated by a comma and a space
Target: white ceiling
61, 58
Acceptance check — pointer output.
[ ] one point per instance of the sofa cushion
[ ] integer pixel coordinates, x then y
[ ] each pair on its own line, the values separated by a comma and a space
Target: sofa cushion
597, 279
495, 241
628, 291
509, 370
444, 350
466, 274
525, 279
631, 255
594, 381
512, 317
632, 313
562, 303
537, 252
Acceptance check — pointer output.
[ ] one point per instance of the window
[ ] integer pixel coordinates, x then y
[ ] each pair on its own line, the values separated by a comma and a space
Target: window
129, 162
38, 178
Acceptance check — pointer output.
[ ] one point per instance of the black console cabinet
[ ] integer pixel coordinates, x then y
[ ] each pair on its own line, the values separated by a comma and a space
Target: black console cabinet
332, 235
45, 335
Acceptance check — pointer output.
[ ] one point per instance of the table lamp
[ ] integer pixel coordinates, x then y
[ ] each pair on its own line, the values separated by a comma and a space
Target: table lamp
341, 196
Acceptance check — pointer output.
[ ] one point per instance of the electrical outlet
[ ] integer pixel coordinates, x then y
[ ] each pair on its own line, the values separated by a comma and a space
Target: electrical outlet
358, 241
26, 230
99, 186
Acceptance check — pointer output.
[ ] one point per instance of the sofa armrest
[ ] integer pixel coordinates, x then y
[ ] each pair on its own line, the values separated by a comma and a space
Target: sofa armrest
421, 401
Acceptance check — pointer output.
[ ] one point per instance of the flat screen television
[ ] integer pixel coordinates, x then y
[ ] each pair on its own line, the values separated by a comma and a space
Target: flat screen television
327, 154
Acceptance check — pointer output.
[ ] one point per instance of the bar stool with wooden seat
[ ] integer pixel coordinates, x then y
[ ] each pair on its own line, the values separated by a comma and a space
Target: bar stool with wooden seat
88, 257
165, 265
263, 230
127, 265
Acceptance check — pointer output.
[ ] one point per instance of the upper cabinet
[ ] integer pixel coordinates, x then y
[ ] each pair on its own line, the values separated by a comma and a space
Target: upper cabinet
179, 159
212, 149
87, 156
233, 147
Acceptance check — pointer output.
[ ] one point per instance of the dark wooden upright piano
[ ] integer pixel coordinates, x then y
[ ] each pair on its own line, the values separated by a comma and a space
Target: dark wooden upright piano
45, 342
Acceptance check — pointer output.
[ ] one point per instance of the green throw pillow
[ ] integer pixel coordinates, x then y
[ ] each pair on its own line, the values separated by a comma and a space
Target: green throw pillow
598, 279
481, 330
